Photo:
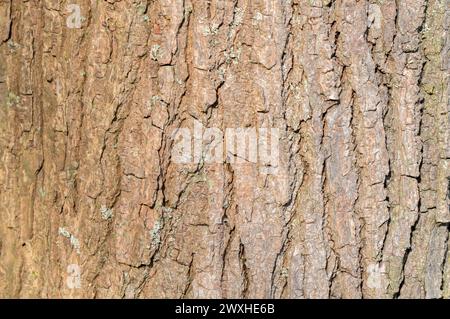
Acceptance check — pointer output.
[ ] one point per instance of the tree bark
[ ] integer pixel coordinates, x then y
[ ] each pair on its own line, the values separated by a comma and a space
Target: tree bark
357, 89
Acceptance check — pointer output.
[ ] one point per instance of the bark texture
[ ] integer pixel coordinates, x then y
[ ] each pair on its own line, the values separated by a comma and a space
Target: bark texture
359, 90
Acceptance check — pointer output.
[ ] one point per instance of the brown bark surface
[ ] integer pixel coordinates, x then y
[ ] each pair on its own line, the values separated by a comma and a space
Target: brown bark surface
358, 89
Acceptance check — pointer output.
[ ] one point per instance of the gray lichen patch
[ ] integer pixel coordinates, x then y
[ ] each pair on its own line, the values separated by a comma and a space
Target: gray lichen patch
233, 55
221, 74
211, 30
155, 52
376, 276
257, 18
284, 272
106, 212
238, 17
165, 218
155, 99
13, 46
155, 233
167, 210
74, 242
64, 232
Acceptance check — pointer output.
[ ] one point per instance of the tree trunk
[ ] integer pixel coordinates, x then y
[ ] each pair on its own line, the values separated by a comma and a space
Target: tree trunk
95, 203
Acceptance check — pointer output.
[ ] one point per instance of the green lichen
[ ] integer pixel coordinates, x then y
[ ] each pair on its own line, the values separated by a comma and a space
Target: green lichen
71, 173
42, 192
141, 8
200, 178
12, 99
